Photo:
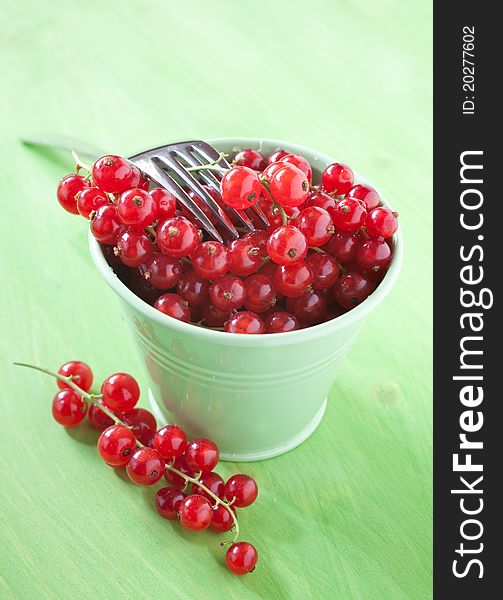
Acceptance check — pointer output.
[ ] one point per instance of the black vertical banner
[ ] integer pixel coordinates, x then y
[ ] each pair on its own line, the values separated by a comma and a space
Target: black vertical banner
468, 332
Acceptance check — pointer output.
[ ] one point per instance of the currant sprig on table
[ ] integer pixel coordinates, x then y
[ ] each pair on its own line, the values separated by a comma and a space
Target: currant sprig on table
197, 496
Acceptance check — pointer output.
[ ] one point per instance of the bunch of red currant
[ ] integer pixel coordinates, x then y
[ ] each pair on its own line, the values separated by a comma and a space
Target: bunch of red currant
197, 496
326, 249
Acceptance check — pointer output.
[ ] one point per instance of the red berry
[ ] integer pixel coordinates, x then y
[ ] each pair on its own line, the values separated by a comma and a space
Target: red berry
140, 179
80, 373
193, 288
213, 482
325, 270
252, 159
120, 392
201, 455
277, 156
309, 308
228, 293
89, 199
161, 271
106, 225
259, 240
173, 306
373, 254
316, 224
275, 217
293, 280
195, 513
210, 260
113, 174
381, 222
168, 501
68, 187
366, 193
116, 445
98, 419
269, 171
170, 441
300, 162
349, 215
287, 245
222, 520
289, 186
212, 316
337, 178
242, 490
244, 257
137, 208
321, 200
134, 247
241, 558
245, 322
146, 466
174, 478
281, 322
165, 201
142, 423
342, 246
241, 187
260, 293
68, 408
177, 237
351, 289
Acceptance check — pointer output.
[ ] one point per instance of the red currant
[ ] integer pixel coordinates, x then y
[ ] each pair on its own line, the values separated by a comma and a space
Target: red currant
173, 306
120, 392
289, 186
241, 490
68, 188
161, 271
245, 322
287, 245
381, 222
170, 441
90, 199
137, 208
241, 558
316, 224
174, 478
106, 225
325, 270
202, 455
260, 293
349, 215
168, 501
146, 466
300, 162
222, 520
309, 308
213, 482
342, 246
98, 419
193, 288
212, 316
228, 293
244, 257
277, 156
241, 187
113, 174
80, 373
116, 445
351, 289
140, 179
275, 217
177, 237
281, 322
252, 159
366, 193
321, 200
195, 513
210, 260
134, 247
68, 408
373, 254
293, 280
142, 423
337, 178
165, 201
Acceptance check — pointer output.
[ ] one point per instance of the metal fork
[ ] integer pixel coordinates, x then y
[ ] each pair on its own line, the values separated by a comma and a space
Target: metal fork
166, 166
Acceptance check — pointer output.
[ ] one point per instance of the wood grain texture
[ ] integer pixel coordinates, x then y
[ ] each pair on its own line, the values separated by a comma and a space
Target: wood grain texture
348, 514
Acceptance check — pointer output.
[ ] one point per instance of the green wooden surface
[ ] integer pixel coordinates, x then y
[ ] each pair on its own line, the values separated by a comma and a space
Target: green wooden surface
348, 514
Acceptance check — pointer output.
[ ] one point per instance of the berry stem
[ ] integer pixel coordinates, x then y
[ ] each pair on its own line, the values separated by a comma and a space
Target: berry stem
79, 163
212, 166
279, 208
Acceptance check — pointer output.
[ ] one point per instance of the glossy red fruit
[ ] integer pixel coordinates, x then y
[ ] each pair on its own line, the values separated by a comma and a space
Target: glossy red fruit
195, 513
80, 373
146, 466
366, 193
277, 156
137, 208
89, 199
289, 186
337, 178
193, 288
170, 441
113, 174
321, 200
161, 271
142, 423
165, 201
228, 293
287, 245
259, 240
260, 293
269, 171
177, 237
349, 215
281, 322
140, 180
352, 289
68, 187
342, 246
213, 482
373, 254
210, 260
381, 222
120, 392
106, 225
293, 280
316, 224
168, 501
252, 159
202, 455
300, 162
309, 308
241, 558
98, 419
325, 270
173, 306
68, 408
115, 445
241, 187
244, 257
221, 520
174, 478
241, 490
212, 316
134, 247
245, 322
